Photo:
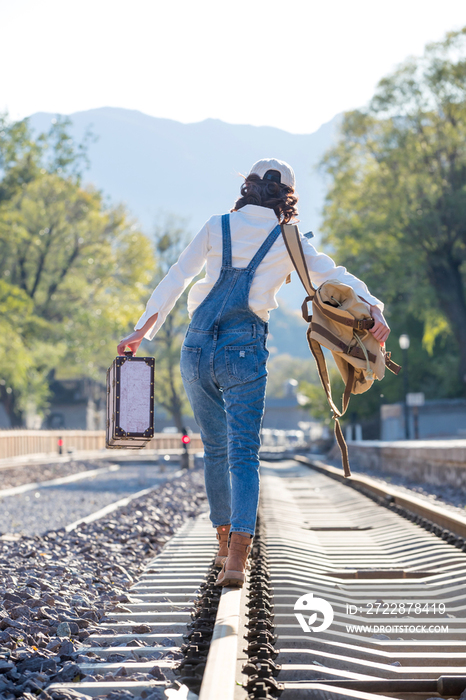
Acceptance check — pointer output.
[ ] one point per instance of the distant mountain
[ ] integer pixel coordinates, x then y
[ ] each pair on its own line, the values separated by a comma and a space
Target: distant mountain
159, 165
155, 164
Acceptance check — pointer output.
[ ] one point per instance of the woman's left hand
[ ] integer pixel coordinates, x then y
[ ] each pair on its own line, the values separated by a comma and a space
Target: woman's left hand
380, 330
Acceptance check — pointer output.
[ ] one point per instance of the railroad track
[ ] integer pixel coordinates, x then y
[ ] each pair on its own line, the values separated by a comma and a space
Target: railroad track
384, 574
30, 506
157, 616
369, 564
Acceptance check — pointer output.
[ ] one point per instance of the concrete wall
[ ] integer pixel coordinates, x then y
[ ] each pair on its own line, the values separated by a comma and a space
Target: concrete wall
431, 461
437, 419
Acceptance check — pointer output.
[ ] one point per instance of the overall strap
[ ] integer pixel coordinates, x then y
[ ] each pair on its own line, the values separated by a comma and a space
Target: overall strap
264, 249
226, 241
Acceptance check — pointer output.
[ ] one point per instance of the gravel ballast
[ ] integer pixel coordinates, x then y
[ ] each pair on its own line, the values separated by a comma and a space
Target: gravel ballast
50, 507
57, 589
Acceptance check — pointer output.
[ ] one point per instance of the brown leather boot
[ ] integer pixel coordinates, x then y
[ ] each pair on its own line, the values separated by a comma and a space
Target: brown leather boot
232, 573
222, 535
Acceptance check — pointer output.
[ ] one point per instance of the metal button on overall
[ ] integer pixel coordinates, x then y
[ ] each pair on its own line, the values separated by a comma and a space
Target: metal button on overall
224, 371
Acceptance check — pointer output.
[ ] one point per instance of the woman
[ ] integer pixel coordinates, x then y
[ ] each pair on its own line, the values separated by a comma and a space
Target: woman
224, 354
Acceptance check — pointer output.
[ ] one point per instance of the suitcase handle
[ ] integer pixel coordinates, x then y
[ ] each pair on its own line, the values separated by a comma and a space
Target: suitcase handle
128, 353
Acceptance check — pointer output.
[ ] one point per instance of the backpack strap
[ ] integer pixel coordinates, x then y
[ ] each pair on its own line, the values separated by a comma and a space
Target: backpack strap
319, 357
389, 364
354, 351
294, 247
359, 324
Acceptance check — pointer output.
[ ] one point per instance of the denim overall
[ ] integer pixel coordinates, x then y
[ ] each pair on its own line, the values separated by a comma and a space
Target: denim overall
223, 366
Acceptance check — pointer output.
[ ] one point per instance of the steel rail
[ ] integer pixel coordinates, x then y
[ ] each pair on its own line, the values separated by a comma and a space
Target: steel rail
335, 543
163, 600
221, 666
442, 517
60, 481
111, 507
82, 476
319, 536
315, 535
102, 455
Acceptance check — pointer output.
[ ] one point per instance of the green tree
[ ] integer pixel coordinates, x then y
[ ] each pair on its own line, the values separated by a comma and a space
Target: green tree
25, 359
24, 157
283, 367
75, 271
395, 211
317, 403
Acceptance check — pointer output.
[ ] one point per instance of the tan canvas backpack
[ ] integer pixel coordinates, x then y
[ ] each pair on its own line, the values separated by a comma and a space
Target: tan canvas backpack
340, 321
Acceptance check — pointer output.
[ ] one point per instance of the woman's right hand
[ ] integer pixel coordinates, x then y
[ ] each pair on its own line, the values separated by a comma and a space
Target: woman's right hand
132, 341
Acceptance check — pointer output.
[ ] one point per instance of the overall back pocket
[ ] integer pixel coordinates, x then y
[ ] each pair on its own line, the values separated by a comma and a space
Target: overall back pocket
241, 361
189, 364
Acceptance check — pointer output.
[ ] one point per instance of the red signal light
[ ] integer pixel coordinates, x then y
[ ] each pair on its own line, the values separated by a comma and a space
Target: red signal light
185, 439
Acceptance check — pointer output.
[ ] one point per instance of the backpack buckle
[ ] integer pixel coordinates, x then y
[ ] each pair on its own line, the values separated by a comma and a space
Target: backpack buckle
364, 324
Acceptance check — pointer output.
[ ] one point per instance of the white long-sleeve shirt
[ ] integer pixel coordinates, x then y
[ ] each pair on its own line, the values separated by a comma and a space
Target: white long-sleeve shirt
249, 227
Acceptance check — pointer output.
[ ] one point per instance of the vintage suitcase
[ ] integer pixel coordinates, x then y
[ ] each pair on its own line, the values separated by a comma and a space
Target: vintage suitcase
130, 402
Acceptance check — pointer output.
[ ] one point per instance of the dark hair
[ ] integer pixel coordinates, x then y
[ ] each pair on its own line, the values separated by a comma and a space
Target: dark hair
266, 193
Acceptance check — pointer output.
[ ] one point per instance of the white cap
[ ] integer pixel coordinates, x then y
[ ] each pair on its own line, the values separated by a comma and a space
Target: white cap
286, 171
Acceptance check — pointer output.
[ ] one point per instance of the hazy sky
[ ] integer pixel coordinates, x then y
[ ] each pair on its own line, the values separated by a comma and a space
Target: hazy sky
292, 64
